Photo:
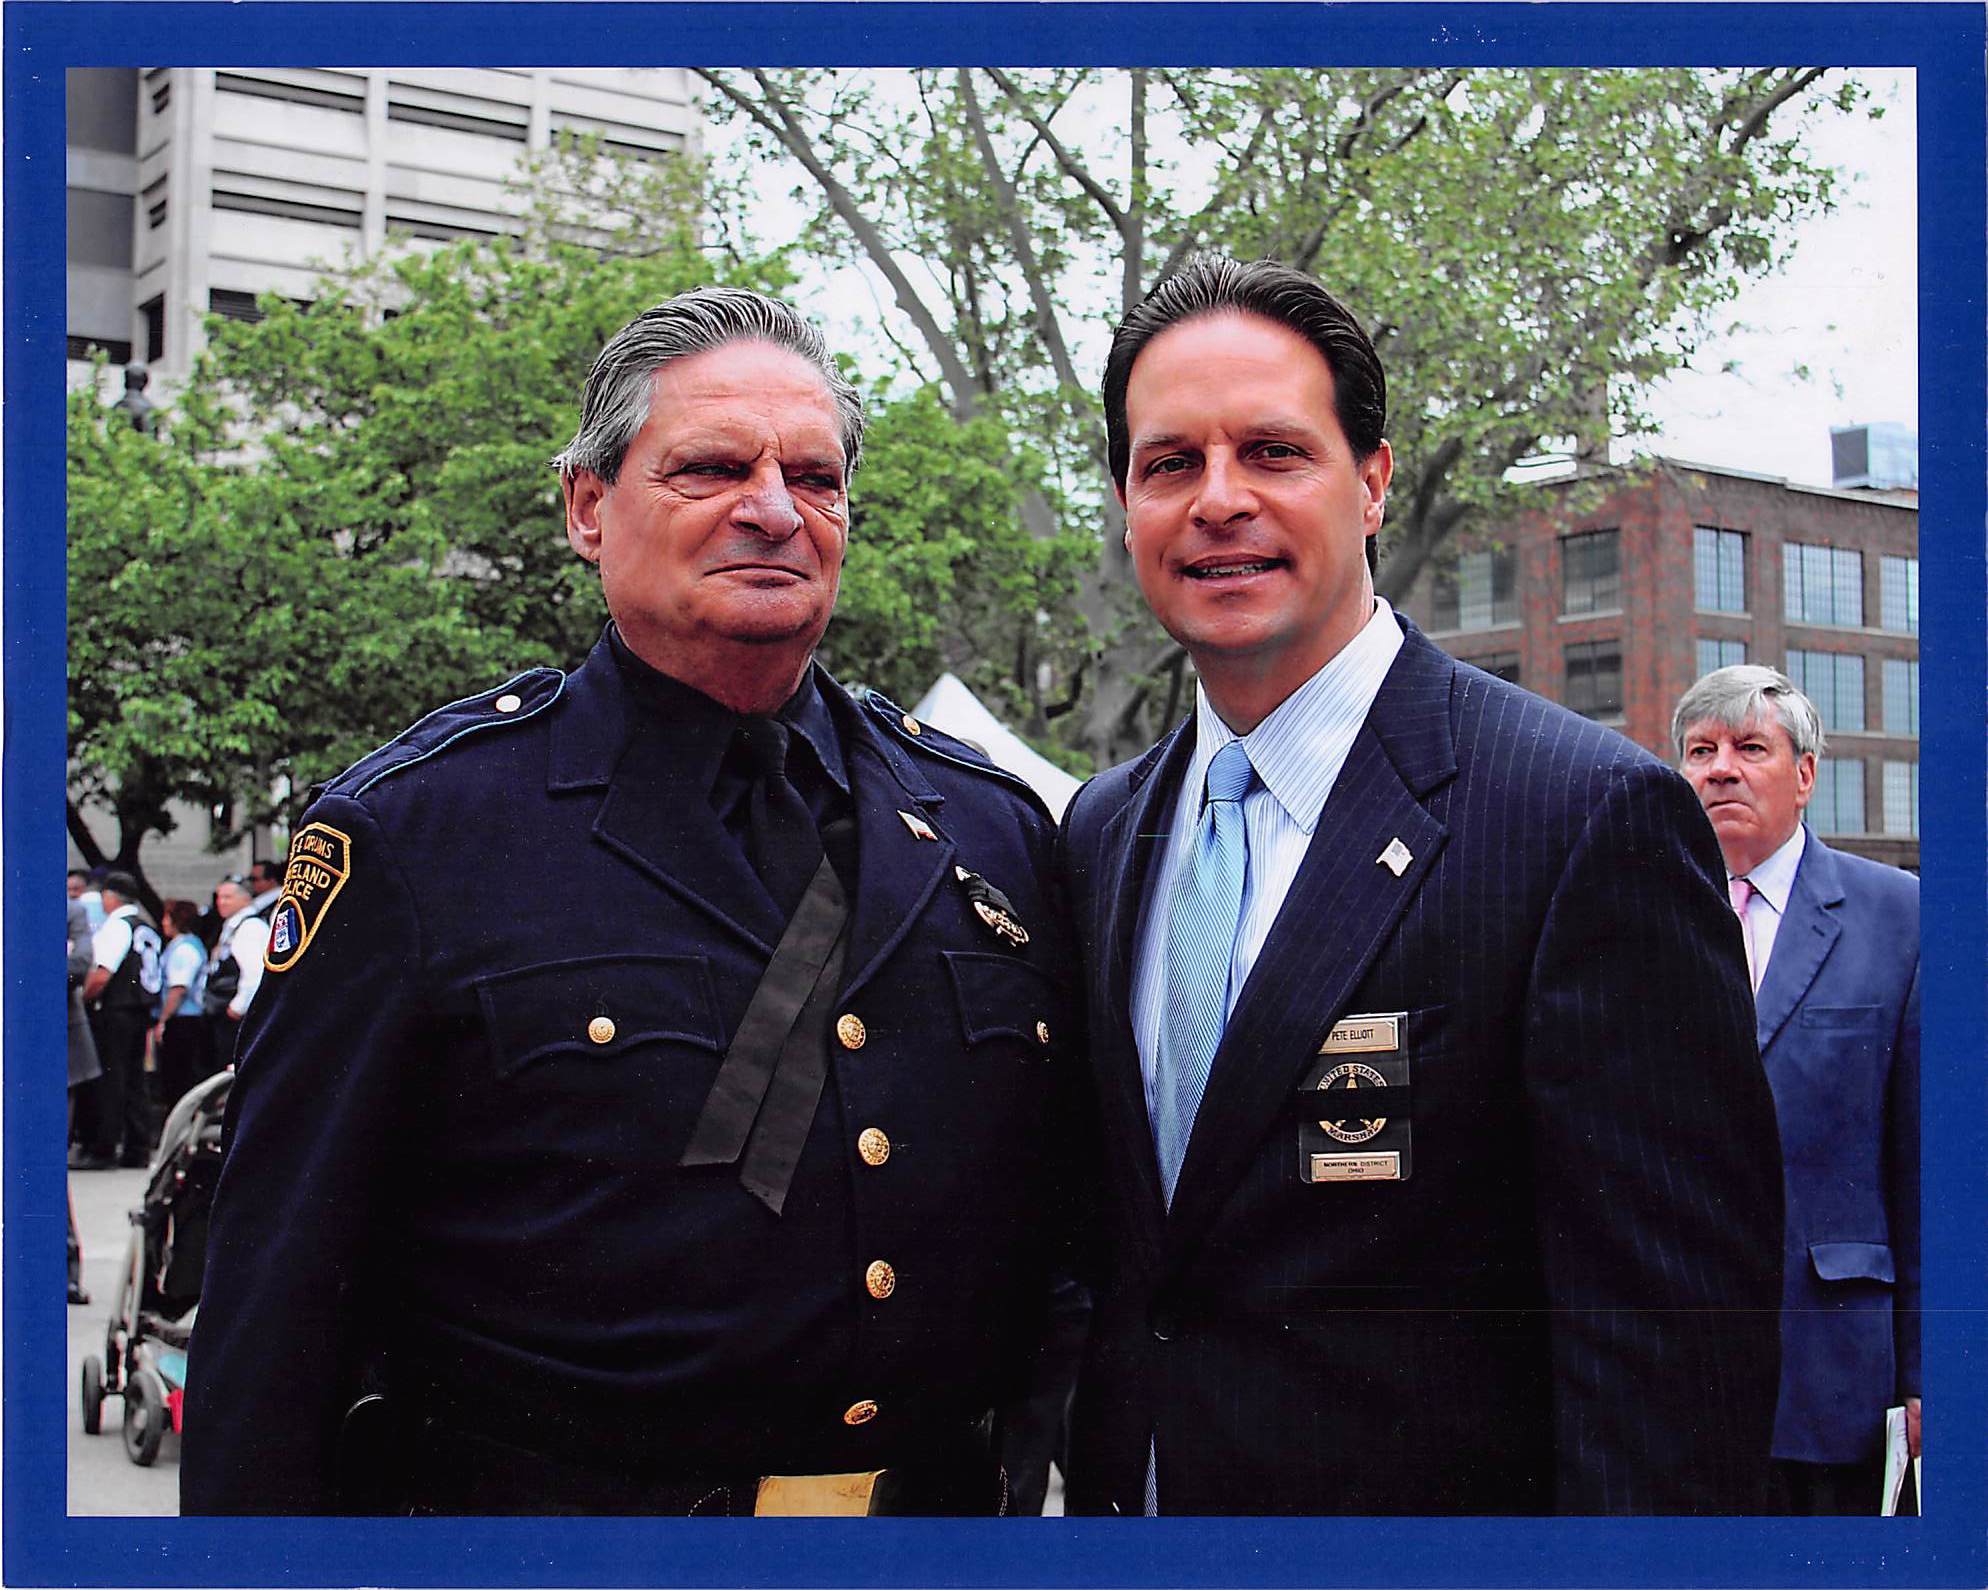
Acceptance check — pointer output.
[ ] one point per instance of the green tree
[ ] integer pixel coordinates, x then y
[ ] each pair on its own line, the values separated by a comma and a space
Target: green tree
1530, 247
349, 515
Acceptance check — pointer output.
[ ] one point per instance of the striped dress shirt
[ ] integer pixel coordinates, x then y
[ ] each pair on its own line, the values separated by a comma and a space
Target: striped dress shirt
1297, 752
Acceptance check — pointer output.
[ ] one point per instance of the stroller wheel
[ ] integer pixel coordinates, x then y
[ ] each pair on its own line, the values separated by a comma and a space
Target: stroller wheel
145, 1417
93, 1395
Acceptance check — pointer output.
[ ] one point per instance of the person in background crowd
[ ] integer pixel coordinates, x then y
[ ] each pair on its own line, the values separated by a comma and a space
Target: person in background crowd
657, 1075
83, 1064
234, 969
87, 887
121, 991
1524, 1261
180, 1038
1832, 944
265, 885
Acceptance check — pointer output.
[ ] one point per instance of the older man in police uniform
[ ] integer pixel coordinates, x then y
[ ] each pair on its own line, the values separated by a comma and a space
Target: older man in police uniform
728, 1008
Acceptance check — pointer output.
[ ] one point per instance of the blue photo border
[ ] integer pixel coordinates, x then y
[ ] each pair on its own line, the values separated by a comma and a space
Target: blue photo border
42, 1545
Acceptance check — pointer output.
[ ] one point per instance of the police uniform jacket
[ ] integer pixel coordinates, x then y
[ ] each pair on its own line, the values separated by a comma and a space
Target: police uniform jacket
519, 949
1513, 918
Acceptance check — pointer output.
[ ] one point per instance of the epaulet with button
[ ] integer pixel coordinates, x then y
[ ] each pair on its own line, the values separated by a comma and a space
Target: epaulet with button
920, 736
517, 699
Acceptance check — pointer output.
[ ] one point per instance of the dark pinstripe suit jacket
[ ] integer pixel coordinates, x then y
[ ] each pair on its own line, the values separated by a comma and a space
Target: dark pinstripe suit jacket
1570, 1304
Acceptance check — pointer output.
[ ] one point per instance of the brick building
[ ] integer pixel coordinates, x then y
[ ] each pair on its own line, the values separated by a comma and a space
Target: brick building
1626, 585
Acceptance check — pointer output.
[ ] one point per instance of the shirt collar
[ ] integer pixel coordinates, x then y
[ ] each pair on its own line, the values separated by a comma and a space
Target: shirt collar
1774, 879
701, 729
1299, 749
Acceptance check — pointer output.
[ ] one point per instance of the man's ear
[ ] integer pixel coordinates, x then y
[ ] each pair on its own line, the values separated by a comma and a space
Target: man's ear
1375, 471
584, 492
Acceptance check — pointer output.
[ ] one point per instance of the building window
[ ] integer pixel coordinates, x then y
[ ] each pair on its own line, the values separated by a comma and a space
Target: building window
1901, 799
1476, 591
1837, 806
348, 215
1502, 664
1719, 567
1901, 698
154, 311
332, 96
1823, 585
1719, 654
1898, 594
1591, 572
429, 107
1594, 678
1834, 681
154, 200
86, 348
231, 305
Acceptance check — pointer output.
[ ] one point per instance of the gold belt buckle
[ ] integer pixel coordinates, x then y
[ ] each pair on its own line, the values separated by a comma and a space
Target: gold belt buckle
817, 1495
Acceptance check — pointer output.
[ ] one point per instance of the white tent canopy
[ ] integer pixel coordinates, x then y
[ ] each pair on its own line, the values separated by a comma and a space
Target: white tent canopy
950, 706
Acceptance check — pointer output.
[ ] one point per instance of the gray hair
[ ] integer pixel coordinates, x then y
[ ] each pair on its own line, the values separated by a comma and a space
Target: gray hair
1734, 696
621, 383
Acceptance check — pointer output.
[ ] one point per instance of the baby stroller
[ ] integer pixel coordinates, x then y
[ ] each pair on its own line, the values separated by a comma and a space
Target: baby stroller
144, 1358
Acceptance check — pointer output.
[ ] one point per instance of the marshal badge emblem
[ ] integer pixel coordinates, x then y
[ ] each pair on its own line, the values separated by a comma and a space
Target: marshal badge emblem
1350, 1078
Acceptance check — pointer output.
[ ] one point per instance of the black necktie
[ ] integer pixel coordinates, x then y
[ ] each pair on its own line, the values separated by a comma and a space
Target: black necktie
781, 839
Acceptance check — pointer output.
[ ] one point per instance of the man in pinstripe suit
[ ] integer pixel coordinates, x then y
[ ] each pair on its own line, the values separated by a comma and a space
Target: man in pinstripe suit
1441, 1172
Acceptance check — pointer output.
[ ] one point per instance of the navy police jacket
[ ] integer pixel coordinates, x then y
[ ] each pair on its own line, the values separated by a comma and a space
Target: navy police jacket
436, 1144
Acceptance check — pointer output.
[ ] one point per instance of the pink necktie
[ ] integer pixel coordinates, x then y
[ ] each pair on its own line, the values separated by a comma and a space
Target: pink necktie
1741, 891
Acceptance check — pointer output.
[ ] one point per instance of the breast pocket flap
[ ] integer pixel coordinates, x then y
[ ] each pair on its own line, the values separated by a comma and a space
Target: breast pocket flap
1852, 1261
597, 1008
1000, 997
1840, 1018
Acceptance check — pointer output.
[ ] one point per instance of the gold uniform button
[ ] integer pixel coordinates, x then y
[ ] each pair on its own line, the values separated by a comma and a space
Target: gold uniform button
873, 1145
601, 1029
1042, 1032
912, 725
881, 1279
859, 1412
509, 703
849, 1031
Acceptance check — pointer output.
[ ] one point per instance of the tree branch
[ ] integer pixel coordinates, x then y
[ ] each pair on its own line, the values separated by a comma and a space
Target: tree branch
1047, 325
779, 121
1071, 166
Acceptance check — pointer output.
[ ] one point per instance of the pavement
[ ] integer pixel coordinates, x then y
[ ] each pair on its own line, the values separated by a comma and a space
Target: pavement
102, 1479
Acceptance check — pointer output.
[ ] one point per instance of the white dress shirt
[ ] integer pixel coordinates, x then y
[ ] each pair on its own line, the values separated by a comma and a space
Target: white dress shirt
1773, 881
1297, 752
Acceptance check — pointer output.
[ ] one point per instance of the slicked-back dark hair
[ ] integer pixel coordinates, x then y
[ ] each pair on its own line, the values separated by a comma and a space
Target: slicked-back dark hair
1212, 285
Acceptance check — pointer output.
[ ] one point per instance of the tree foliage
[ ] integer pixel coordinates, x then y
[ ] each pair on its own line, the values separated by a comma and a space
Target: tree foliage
348, 514
1530, 248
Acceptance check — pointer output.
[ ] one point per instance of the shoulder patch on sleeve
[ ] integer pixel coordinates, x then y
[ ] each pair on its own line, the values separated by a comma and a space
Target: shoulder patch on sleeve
320, 862
917, 735
520, 698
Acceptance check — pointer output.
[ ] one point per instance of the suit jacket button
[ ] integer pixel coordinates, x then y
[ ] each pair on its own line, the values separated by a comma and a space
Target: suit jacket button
509, 703
859, 1412
873, 1145
881, 1279
601, 1029
849, 1031
1164, 1323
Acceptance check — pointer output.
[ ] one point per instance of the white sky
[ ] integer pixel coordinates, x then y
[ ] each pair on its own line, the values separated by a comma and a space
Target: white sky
1845, 306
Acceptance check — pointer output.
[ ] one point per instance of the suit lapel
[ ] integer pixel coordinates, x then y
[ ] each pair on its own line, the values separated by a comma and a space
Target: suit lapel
1341, 907
1807, 934
1130, 848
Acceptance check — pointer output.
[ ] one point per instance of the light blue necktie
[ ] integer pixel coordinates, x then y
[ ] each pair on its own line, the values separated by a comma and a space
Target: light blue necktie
1202, 922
